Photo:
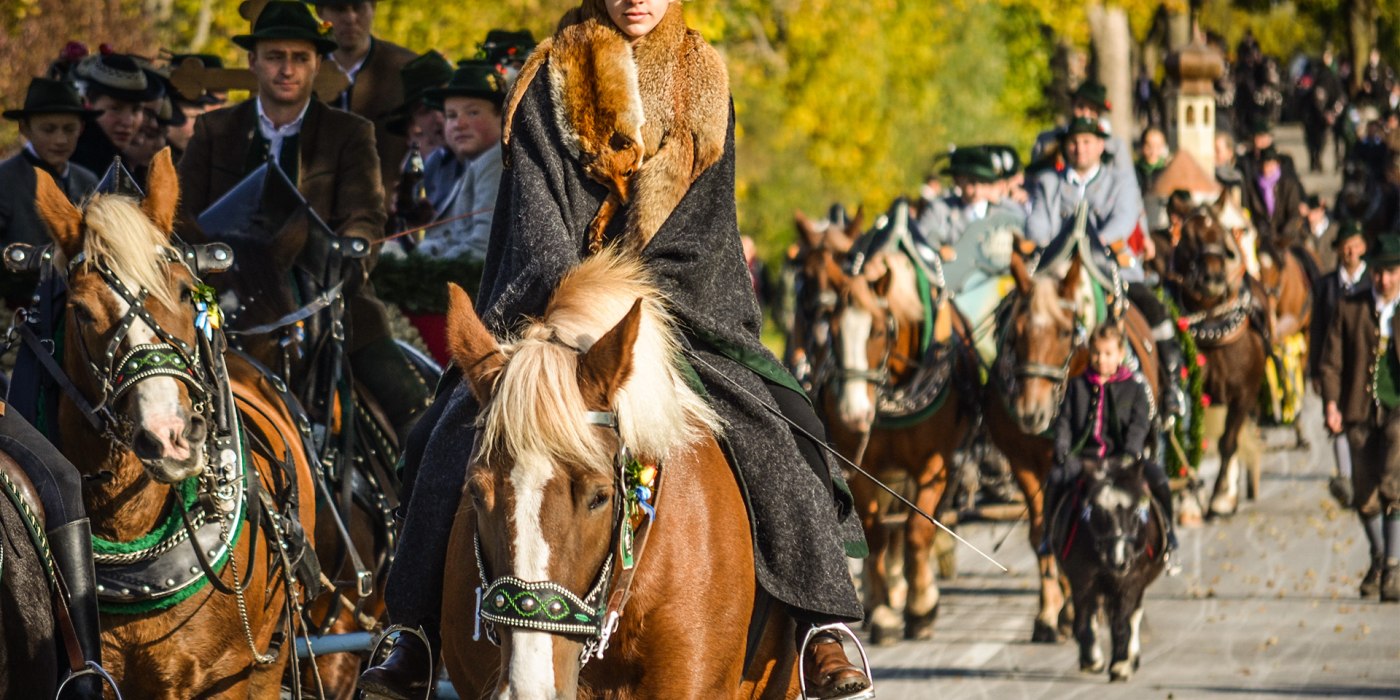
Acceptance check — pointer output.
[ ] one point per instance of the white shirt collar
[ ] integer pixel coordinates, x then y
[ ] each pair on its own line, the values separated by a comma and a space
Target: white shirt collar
276, 134
1386, 311
1081, 181
1349, 281
977, 210
1321, 228
352, 71
30, 148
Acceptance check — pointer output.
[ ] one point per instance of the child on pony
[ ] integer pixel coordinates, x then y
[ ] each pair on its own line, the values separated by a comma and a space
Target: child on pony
1106, 415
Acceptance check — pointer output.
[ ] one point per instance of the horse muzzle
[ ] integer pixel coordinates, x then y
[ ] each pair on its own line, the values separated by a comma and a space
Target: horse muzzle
172, 450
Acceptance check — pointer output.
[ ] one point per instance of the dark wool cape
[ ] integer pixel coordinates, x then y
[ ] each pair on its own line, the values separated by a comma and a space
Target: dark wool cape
539, 233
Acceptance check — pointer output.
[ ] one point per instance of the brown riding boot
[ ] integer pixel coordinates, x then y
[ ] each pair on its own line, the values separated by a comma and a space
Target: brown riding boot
828, 672
407, 674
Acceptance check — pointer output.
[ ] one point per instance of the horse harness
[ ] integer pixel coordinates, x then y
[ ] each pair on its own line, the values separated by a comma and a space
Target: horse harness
1221, 325
546, 606
155, 572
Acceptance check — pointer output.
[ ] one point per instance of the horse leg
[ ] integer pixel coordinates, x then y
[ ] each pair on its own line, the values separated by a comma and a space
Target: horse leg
884, 621
1086, 604
1127, 635
1226, 499
919, 535
1052, 595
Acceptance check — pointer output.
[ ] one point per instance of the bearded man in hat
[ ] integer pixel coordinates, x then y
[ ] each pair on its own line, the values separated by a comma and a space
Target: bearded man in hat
329, 154
1114, 211
978, 193
1360, 382
372, 65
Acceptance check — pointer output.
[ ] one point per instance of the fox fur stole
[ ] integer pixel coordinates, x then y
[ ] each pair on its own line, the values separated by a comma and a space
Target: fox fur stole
644, 118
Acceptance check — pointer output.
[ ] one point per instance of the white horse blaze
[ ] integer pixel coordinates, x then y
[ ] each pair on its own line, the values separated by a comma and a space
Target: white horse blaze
856, 408
157, 398
531, 673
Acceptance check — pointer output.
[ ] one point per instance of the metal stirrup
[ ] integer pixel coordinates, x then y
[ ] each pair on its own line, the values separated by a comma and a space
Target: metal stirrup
90, 669
841, 630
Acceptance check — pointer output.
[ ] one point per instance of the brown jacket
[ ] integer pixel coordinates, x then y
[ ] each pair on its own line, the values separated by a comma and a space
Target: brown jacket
337, 174
377, 91
1349, 354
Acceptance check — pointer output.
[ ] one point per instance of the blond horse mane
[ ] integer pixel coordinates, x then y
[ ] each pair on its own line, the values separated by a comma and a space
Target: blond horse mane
120, 235
538, 408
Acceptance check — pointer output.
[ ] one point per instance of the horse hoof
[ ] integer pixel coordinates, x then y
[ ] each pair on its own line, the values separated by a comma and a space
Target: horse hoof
1044, 634
1095, 666
920, 626
1120, 671
882, 636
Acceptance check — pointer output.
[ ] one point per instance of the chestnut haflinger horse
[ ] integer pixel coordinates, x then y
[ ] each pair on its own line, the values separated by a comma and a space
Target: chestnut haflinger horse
283, 253
1222, 307
1109, 540
1042, 331
198, 487
812, 298
898, 404
564, 547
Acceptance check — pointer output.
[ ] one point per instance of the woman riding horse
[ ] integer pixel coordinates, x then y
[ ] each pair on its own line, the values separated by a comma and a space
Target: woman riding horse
627, 135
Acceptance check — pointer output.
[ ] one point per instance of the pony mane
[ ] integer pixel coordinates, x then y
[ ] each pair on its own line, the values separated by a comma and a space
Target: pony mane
903, 297
538, 408
119, 234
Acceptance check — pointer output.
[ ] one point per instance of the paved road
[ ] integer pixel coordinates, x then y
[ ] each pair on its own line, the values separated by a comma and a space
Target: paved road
1265, 608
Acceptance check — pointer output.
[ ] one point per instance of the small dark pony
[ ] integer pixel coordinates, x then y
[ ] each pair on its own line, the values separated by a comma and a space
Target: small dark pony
27, 629
1220, 306
1108, 537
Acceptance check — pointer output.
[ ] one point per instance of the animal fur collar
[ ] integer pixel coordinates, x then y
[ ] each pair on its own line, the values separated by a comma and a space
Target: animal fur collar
644, 118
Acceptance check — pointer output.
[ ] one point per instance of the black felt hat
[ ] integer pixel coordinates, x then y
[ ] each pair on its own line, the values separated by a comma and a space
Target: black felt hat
1006, 159
118, 76
50, 97
474, 78
1386, 252
1259, 124
974, 162
287, 20
427, 72
1093, 93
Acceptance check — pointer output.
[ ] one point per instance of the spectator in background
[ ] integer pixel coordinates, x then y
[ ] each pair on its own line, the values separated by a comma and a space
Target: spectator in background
116, 89
51, 123
1153, 155
758, 271
419, 120
1273, 198
471, 104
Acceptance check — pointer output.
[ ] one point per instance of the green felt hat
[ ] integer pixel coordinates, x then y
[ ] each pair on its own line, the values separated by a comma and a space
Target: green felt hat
1093, 93
427, 72
50, 97
287, 20
1085, 125
475, 78
1006, 159
503, 45
1348, 229
974, 162
1386, 252
1259, 124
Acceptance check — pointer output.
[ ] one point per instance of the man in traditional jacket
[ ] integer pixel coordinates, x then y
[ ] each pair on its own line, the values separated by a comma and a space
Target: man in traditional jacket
372, 65
471, 105
330, 156
1360, 376
978, 193
1090, 101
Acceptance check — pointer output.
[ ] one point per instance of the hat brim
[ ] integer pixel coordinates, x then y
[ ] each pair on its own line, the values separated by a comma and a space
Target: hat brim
1345, 236
250, 41
438, 95
18, 114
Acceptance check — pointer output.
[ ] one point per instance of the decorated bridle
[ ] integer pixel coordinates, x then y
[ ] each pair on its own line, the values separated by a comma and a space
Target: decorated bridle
1013, 370
546, 606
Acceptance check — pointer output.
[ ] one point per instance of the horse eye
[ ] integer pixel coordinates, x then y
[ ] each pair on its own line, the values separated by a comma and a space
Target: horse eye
599, 500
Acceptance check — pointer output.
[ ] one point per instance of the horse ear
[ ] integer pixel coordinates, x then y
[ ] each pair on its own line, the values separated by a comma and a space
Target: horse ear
162, 192
473, 348
811, 237
833, 269
607, 365
882, 285
1071, 281
857, 223
64, 220
838, 242
1020, 274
